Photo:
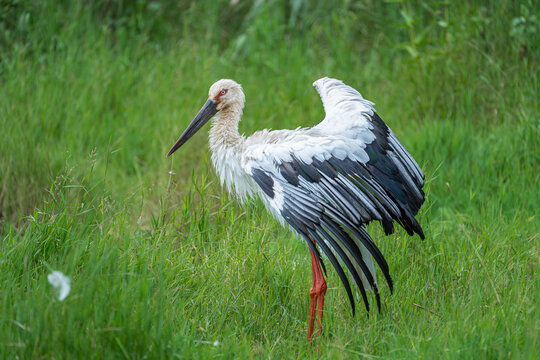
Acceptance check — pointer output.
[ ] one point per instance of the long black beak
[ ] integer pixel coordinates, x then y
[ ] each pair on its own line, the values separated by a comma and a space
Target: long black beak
208, 110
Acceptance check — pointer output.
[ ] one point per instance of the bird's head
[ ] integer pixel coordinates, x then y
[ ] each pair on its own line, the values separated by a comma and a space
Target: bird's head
224, 94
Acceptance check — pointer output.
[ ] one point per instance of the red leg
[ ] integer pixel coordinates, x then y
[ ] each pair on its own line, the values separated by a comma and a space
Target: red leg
316, 293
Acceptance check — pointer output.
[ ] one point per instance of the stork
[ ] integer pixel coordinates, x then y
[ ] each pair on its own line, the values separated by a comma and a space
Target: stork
326, 182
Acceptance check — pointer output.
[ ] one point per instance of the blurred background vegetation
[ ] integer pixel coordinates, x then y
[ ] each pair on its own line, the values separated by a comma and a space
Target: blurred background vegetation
94, 93
434, 55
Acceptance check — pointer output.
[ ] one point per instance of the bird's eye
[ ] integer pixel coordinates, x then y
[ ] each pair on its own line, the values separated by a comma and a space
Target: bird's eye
223, 92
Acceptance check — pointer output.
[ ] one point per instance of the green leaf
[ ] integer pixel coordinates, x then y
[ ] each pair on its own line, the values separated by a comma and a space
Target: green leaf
408, 18
442, 23
412, 51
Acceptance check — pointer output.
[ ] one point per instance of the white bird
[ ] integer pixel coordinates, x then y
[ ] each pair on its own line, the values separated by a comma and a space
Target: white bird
326, 182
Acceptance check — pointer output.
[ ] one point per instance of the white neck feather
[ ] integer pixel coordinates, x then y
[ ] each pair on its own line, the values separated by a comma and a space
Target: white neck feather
227, 146
224, 131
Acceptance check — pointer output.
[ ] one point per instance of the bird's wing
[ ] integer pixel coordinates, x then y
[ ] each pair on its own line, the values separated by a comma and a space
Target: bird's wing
328, 186
349, 114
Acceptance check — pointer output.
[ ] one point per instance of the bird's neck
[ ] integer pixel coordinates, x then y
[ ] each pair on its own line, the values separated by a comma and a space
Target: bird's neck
227, 146
224, 132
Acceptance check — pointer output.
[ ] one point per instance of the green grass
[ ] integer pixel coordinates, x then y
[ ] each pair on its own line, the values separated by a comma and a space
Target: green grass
165, 264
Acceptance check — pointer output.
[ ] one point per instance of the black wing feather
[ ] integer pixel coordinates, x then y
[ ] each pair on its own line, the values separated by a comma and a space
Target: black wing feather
355, 251
336, 265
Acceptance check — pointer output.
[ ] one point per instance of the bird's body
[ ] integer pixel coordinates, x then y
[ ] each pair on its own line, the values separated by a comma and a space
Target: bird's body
325, 182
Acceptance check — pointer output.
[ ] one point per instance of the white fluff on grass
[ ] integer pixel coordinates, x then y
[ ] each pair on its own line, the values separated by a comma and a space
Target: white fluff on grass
61, 282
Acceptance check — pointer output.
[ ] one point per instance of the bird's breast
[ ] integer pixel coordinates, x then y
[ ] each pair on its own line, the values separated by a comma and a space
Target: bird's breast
227, 162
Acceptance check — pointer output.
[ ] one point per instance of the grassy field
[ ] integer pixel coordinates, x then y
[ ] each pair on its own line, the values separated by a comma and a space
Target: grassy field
164, 265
